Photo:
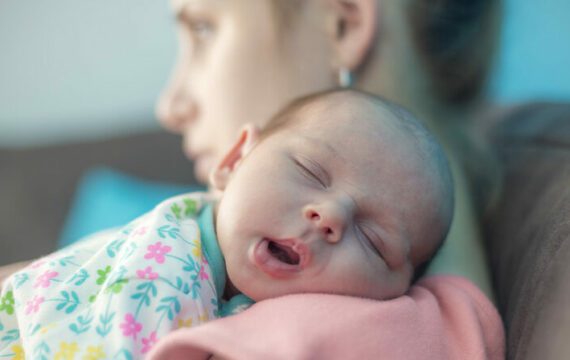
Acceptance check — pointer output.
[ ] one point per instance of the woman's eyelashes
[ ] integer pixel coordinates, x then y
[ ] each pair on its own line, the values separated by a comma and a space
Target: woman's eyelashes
312, 171
201, 29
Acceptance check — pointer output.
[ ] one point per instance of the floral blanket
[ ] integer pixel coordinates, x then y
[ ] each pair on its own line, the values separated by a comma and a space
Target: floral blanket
114, 294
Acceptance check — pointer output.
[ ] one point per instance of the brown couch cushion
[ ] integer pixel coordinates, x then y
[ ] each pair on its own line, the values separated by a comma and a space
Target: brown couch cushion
528, 232
37, 185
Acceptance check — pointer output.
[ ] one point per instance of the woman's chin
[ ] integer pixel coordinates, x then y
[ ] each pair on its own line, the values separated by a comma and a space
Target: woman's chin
202, 168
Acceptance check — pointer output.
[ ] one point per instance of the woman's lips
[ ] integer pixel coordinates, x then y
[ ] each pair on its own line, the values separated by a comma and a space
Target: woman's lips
267, 259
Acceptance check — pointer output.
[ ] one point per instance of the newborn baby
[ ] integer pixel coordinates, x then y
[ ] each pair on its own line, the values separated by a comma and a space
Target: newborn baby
341, 193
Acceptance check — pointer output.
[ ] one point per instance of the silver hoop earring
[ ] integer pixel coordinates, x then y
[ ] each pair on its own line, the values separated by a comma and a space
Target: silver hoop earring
344, 77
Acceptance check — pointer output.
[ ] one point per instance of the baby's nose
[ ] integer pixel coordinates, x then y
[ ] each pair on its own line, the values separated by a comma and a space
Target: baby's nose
329, 219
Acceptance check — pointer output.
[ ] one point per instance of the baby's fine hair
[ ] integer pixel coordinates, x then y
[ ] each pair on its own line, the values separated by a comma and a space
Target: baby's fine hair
428, 149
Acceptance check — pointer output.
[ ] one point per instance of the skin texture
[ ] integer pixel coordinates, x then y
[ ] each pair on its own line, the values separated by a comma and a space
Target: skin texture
210, 98
236, 65
356, 219
233, 68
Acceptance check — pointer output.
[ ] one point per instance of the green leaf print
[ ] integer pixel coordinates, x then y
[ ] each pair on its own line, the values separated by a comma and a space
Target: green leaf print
182, 286
129, 251
114, 247
83, 323
167, 230
196, 289
106, 319
123, 354
42, 351
214, 302
171, 219
191, 207
20, 279
79, 277
7, 303
117, 275
117, 286
11, 335
69, 302
191, 265
105, 326
177, 211
103, 273
171, 306
67, 260
32, 329
144, 288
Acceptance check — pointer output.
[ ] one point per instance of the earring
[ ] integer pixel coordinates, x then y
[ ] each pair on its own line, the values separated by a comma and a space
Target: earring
344, 77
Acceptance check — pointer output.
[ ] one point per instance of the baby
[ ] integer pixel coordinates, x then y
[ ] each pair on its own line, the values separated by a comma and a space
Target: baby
341, 193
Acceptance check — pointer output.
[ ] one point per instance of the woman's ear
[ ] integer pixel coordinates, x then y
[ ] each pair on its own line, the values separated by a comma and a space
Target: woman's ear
220, 175
353, 30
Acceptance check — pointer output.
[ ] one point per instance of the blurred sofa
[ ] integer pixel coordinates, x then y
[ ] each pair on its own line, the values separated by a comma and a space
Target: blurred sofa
39, 186
527, 232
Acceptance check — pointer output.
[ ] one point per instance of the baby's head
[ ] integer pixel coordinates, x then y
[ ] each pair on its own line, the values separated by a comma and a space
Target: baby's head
341, 193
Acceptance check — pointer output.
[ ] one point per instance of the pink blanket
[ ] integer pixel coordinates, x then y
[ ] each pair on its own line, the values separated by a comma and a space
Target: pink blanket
442, 317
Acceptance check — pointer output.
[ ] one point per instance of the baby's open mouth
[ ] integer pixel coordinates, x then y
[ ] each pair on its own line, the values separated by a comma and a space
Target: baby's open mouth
280, 258
284, 253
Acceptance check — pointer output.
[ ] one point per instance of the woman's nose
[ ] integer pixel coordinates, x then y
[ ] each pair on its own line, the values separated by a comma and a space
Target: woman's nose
175, 109
330, 219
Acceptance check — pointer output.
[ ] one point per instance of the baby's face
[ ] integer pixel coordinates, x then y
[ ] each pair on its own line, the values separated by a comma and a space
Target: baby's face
322, 208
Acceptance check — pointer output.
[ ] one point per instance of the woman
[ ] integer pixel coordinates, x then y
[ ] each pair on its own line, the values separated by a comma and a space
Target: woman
241, 60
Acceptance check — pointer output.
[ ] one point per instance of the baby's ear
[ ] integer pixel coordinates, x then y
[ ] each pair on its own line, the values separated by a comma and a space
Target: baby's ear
248, 137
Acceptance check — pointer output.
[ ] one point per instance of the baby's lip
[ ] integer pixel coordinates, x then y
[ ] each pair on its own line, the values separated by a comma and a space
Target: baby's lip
281, 257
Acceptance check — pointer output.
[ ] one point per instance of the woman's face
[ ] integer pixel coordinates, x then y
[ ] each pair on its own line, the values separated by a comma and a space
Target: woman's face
237, 63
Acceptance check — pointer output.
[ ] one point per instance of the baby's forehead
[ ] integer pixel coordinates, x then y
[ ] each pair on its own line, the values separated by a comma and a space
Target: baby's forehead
365, 133
358, 125
349, 110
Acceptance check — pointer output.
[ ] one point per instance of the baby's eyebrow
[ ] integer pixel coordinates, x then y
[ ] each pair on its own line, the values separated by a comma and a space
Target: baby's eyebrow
319, 143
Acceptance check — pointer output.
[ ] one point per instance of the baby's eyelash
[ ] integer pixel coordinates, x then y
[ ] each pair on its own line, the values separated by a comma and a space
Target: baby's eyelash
307, 172
370, 239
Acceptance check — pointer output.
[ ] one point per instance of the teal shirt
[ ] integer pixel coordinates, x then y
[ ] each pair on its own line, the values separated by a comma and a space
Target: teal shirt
217, 264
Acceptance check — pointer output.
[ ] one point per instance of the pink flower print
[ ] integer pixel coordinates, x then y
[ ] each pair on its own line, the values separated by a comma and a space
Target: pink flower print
203, 274
140, 231
157, 251
131, 326
147, 273
33, 305
44, 279
36, 264
149, 342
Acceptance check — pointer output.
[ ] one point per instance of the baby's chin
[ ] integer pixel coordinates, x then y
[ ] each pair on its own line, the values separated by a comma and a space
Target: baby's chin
259, 293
